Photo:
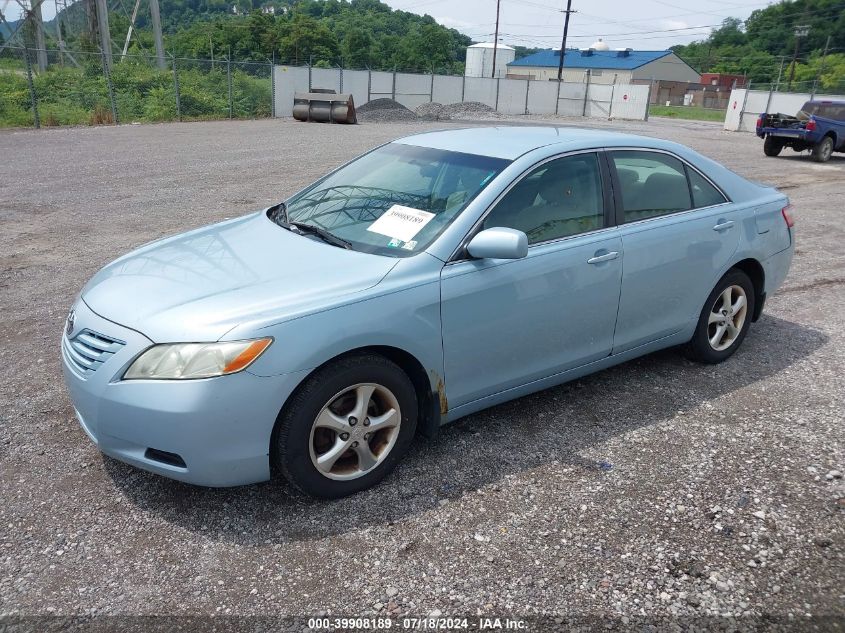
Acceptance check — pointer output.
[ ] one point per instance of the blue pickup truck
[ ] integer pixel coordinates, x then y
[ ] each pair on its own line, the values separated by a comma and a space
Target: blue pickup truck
819, 127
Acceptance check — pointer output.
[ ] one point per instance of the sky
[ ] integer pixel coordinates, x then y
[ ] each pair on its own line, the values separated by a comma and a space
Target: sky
638, 24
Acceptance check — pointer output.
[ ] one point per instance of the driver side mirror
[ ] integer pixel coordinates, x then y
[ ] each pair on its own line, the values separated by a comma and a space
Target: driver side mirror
499, 243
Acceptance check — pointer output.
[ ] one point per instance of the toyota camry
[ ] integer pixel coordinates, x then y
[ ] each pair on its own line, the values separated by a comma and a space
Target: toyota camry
432, 277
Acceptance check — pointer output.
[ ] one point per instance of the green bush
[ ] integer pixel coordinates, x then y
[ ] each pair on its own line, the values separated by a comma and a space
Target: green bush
142, 92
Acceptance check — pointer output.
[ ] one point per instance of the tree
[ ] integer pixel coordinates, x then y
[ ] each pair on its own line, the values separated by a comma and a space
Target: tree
729, 34
357, 49
307, 39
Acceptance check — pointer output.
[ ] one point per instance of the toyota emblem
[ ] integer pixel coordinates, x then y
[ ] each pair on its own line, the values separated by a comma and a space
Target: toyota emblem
70, 320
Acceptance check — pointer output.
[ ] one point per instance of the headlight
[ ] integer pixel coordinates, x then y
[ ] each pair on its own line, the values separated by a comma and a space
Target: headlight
182, 361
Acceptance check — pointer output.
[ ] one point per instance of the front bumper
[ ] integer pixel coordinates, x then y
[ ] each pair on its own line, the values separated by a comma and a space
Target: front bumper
220, 427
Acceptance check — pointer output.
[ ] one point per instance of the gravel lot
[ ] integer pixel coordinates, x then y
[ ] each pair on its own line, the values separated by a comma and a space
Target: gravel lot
658, 491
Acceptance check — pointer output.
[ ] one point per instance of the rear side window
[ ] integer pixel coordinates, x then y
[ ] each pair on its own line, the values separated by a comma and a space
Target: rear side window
652, 184
703, 193
835, 111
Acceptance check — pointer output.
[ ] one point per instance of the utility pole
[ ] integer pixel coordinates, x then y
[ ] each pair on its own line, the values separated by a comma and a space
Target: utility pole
105, 34
496, 38
568, 12
800, 31
156, 23
38, 24
821, 67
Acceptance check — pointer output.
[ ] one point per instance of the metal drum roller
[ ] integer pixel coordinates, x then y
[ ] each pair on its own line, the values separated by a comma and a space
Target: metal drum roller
324, 107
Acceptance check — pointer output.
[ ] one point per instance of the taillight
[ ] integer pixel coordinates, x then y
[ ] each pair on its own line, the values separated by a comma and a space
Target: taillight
760, 121
787, 216
811, 125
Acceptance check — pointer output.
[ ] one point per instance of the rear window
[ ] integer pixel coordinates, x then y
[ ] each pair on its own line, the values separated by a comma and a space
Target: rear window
835, 111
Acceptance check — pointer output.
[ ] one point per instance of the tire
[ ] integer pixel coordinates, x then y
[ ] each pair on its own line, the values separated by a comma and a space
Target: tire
772, 146
823, 150
352, 458
712, 320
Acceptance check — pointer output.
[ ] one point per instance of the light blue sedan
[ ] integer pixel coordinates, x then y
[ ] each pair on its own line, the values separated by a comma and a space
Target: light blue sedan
432, 277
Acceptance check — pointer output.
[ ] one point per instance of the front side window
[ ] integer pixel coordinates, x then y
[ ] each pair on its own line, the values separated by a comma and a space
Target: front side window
395, 200
652, 184
559, 198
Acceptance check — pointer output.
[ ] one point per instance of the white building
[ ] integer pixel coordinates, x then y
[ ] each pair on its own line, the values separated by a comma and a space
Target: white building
480, 60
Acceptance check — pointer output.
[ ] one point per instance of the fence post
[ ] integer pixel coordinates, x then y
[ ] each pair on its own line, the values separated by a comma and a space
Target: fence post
35, 118
527, 90
273, 87
431, 89
612, 93
463, 87
176, 90
772, 88
393, 88
586, 94
557, 103
369, 84
107, 73
309, 72
498, 82
648, 100
229, 82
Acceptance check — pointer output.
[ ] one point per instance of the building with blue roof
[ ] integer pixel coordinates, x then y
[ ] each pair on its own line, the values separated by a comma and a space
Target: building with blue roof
604, 65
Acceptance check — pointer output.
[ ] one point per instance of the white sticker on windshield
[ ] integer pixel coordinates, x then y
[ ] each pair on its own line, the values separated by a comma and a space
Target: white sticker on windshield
401, 223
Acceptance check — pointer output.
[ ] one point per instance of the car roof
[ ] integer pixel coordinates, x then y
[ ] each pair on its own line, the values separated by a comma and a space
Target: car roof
511, 142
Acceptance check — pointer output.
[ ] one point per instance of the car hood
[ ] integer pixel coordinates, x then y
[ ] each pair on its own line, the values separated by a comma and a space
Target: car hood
199, 285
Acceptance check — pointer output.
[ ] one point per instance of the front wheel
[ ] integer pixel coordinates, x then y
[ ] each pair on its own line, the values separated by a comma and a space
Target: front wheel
347, 427
724, 320
823, 150
772, 146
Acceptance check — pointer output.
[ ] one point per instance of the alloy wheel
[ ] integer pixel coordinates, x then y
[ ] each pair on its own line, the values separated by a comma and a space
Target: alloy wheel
727, 316
355, 431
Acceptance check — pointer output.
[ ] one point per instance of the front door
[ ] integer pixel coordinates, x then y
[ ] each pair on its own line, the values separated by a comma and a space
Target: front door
510, 322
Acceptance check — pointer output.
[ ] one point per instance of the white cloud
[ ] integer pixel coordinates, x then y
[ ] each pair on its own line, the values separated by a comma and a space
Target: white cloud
452, 23
673, 24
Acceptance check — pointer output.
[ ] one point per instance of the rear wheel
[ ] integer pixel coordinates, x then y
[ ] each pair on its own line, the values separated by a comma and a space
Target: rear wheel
823, 150
347, 427
772, 146
724, 320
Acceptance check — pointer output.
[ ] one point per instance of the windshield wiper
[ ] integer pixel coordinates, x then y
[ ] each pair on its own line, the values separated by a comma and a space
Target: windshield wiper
320, 232
279, 215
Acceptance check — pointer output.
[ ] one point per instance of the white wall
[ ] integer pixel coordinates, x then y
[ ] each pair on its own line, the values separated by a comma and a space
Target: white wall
745, 106
509, 96
572, 74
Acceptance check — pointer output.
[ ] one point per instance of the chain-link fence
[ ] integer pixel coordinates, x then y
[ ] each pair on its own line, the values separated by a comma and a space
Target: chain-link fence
812, 86
82, 88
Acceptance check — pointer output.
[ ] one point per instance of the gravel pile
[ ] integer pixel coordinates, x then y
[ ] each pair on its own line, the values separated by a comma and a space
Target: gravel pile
432, 112
384, 111
469, 110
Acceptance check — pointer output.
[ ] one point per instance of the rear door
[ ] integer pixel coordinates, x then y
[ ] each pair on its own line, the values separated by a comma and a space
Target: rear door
678, 232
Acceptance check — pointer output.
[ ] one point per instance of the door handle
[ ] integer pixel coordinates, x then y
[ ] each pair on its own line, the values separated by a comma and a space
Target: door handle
598, 259
723, 226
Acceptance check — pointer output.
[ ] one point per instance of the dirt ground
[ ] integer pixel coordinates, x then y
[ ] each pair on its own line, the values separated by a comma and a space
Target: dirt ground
658, 491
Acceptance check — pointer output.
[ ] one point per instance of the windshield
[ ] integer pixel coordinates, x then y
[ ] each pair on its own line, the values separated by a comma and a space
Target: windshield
395, 200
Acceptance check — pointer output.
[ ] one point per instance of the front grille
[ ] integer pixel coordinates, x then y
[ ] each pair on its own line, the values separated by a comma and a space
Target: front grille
88, 350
